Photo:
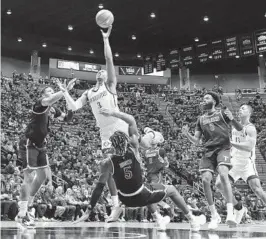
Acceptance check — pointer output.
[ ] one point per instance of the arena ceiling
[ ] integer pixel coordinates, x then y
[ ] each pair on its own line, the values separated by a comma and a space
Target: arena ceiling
176, 24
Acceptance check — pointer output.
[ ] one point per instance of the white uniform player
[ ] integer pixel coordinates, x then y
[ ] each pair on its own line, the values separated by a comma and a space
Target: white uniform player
243, 159
103, 95
103, 98
243, 162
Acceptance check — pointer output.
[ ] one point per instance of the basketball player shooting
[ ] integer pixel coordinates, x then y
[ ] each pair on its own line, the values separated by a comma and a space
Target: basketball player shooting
103, 95
32, 149
214, 126
125, 167
243, 159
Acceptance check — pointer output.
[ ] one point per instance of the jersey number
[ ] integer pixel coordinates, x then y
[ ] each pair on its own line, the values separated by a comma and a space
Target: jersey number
99, 105
238, 139
128, 172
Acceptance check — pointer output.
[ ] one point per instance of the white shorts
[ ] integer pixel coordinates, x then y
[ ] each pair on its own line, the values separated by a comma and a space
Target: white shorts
109, 130
246, 170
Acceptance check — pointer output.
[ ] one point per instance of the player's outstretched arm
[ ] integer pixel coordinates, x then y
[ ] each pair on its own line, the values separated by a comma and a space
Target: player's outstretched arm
195, 139
230, 116
129, 119
71, 103
57, 96
251, 140
111, 81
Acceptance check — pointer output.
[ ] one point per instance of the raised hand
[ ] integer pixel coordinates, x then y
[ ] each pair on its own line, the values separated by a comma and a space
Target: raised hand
229, 114
62, 86
71, 84
107, 34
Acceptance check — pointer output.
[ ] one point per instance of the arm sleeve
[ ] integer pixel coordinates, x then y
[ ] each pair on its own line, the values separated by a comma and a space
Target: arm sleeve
38, 107
227, 120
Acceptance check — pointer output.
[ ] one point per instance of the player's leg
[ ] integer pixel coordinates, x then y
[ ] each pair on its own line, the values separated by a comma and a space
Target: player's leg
239, 209
207, 167
255, 186
224, 165
25, 192
178, 200
161, 221
40, 177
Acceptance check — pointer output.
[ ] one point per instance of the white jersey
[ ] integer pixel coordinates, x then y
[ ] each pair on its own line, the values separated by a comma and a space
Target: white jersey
103, 98
240, 137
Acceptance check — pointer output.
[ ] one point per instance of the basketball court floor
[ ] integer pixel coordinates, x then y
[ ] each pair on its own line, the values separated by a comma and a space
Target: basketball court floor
127, 230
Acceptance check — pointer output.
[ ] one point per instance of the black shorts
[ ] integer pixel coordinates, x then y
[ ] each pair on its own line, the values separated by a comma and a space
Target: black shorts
215, 157
32, 156
145, 197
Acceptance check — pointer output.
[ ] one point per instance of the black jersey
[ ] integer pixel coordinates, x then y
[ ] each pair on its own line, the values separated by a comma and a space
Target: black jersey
127, 172
38, 127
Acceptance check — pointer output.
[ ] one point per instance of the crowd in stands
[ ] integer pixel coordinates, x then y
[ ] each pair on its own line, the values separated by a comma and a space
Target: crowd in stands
74, 150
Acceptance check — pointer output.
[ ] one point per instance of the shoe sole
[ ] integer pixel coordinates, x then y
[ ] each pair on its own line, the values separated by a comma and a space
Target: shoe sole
231, 223
115, 220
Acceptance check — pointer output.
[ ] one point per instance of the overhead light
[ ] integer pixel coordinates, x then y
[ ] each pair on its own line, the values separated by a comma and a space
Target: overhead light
133, 37
210, 57
116, 55
206, 18
153, 15
91, 51
70, 27
237, 56
139, 78
260, 55
196, 39
69, 48
100, 6
9, 12
265, 14
44, 45
19, 39
138, 56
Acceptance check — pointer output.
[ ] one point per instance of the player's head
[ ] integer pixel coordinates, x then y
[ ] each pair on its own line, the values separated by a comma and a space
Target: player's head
245, 111
101, 76
119, 141
210, 100
47, 91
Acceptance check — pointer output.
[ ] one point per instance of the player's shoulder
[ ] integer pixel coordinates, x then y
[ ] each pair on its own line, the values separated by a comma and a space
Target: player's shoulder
251, 127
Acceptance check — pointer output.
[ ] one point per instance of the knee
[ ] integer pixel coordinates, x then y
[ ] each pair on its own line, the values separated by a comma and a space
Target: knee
171, 190
206, 180
218, 184
224, 176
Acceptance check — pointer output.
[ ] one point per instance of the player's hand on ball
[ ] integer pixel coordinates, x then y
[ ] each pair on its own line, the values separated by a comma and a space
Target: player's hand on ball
185, 130
105, 112
229, 114
71, 84
107, 34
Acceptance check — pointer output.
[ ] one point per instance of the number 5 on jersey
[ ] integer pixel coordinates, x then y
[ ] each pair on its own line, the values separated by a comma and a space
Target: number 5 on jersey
128, 172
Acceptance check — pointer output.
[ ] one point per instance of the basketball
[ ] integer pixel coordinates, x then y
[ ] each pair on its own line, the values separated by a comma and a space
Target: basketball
104, 18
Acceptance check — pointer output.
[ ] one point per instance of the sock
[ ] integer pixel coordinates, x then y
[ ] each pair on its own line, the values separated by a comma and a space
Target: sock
115, 201
229, 208
189, 216
213, 210
23, 207
238, 206
30, 201
157, 215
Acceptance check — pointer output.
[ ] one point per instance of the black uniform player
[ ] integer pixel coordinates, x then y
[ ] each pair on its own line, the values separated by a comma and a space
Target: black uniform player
125, 166
214, 127
32, 149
